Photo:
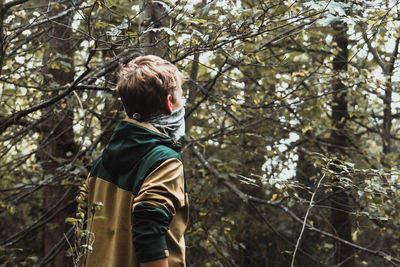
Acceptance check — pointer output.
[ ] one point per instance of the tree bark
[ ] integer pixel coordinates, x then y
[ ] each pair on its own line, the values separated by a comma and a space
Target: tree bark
153, 16
387, 69
58, 136
340, 202
2, 37
387, 110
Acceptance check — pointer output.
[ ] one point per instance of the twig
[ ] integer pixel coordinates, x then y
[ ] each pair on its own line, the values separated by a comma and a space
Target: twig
69, 88
320, 263
46, 217
246, 198
9, 5
305, 220
57, 248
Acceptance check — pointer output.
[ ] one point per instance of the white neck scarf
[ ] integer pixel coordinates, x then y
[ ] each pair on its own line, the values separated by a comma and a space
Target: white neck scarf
173, 124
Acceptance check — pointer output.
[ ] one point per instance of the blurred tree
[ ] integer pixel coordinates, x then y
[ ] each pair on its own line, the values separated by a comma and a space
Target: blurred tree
282, 123
58, 146
341, 206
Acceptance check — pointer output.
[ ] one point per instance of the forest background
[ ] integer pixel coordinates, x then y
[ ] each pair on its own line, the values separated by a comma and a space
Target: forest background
293, 144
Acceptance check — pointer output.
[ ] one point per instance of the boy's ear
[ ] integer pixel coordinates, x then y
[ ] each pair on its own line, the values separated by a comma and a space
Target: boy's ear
168, 103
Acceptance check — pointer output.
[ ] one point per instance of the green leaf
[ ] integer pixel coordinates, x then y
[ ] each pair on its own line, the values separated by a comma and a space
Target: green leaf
71, 220
206, 8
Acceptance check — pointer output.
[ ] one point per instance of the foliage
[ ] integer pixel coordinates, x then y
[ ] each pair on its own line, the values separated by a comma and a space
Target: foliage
260, 137
84, 237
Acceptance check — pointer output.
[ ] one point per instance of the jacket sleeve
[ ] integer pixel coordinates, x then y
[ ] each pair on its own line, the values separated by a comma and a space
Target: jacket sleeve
161, 194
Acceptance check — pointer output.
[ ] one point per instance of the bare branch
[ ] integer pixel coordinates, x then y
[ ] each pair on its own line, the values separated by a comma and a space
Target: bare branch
246, 198
394, 56
310, 206
10, 4
373, 50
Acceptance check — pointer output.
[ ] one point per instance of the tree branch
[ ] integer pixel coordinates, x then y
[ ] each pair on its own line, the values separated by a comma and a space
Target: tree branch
9, 5
246, 198
373, 50
310, 206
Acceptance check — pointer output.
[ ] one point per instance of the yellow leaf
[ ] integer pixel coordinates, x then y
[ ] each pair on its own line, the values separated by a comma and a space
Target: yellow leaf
258, 59
233, 108
55, 66
99, 3
274, 196
202, 213
354, 235
306, 129
11, 209
71, 220
299, 73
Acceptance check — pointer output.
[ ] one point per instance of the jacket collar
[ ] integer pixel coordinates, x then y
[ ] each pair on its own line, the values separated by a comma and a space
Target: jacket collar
145, 125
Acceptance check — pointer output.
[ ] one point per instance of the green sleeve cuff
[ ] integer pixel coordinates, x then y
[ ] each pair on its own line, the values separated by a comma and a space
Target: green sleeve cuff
150, 224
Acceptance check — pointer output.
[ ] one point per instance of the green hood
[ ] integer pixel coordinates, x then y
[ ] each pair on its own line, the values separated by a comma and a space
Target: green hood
129, 144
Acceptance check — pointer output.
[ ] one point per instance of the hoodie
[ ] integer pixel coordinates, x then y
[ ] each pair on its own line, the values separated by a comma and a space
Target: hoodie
144, 208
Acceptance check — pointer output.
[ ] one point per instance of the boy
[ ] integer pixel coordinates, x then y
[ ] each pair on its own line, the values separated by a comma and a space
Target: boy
139, 177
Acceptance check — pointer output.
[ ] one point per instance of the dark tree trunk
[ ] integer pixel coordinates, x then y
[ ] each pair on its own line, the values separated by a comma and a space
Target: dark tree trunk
340, 202
153, 16
2, 39
58, 136
387, 112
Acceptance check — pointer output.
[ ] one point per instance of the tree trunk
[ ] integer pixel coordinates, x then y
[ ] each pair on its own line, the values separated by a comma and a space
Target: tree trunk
2, 39
387, 110
58, 136
153, 16
340, 202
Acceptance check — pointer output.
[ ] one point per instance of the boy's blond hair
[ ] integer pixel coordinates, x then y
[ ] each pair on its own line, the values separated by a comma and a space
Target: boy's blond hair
144, 84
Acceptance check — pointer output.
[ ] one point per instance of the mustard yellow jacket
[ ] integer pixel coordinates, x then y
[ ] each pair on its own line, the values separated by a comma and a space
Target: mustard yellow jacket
138, 184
